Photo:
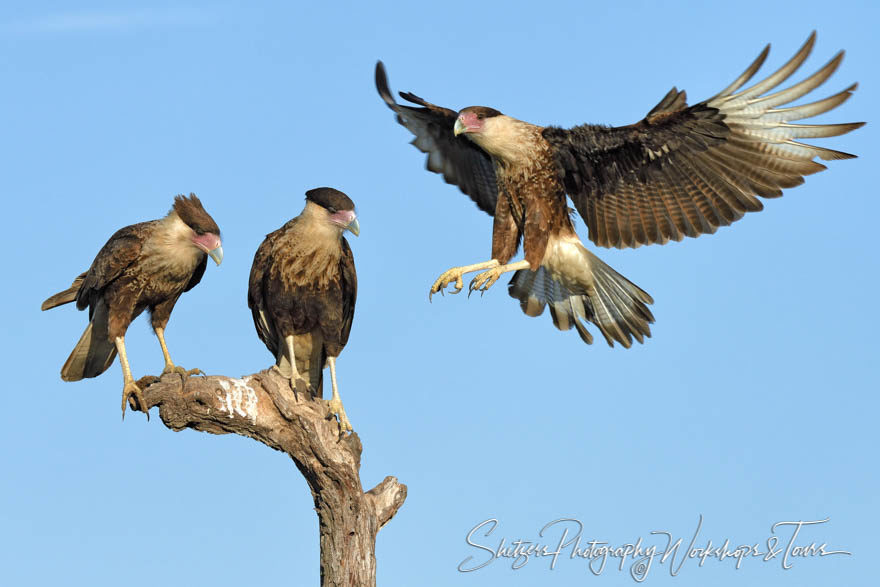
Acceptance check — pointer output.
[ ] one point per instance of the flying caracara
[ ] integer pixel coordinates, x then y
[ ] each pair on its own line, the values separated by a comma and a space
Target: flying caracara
302, 292
681, 171
144, 266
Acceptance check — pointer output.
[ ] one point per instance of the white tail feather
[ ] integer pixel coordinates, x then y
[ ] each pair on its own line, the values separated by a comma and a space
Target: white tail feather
578, 287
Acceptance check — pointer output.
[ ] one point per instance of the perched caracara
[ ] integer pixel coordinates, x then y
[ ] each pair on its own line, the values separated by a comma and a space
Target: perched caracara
682, 171
302, 292
144, 266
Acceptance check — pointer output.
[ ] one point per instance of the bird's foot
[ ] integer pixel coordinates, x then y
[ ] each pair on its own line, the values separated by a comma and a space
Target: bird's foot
335, 407
447, 277
131, 391
172, 368
301, 387
298, 383
484, 281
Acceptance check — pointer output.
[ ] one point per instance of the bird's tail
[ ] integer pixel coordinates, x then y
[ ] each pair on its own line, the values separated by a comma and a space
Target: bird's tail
64, 297
94, 353
594, 293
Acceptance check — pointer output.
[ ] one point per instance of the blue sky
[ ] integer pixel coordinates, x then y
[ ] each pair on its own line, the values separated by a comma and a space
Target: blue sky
754, 402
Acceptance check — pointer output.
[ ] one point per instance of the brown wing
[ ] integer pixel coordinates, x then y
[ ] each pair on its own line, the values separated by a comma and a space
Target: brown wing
256, 295
459, 161
348, 280
198, 273
121, 251
685, 171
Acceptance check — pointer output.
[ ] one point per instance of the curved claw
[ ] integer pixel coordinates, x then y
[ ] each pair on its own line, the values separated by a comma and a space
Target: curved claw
298, 384
335, 407
301, 387
484, 281
131, 390
446, 278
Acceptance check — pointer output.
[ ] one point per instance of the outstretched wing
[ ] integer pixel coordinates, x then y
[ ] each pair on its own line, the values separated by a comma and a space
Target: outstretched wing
123, 249
459, 161
685, 171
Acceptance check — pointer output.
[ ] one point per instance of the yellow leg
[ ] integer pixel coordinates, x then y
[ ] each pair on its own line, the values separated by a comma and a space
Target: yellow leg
170, 367
287, 368
484, 281
455, 274
335, 404
130, 388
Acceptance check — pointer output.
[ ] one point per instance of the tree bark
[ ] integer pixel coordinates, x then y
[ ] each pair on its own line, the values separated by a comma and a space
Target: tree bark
262, 406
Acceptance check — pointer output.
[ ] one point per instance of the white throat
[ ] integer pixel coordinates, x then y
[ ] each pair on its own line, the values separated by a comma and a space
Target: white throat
507, 139
173, 241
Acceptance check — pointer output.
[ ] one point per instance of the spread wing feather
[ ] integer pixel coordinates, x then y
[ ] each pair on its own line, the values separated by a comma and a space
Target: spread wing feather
686, 170
457, 159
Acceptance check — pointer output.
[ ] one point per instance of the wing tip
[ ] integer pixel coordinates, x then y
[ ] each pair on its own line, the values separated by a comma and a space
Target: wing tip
382, 85
811, 40
832, 155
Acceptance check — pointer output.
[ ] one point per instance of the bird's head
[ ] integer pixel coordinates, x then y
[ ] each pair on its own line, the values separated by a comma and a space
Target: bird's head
472, 120
338, 209
503, 137
204, 232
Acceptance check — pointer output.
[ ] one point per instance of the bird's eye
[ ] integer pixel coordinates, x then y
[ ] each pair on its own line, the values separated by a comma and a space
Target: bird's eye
200, 232
331, 209
480, 116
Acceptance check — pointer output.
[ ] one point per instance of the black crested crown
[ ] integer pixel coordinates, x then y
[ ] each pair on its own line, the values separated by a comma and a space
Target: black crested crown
329, 198
193, 214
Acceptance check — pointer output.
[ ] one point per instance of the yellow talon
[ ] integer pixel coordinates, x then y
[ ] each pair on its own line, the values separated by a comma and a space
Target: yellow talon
335, 407
445, 279
131, 390
484, 281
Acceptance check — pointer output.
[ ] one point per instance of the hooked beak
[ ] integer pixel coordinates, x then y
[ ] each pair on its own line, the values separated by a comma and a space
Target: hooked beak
217, 254
346, 220
354, 227
459, 127
210, 244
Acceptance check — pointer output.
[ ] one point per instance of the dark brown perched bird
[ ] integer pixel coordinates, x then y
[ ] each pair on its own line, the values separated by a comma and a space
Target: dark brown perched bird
145, 266
302, 292
681, 171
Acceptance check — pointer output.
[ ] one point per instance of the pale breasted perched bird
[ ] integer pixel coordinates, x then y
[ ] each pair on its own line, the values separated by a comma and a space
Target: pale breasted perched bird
302, 292
145, 266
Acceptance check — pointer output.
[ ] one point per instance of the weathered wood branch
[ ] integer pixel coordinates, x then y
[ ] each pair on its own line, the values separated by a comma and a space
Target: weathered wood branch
263, 407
